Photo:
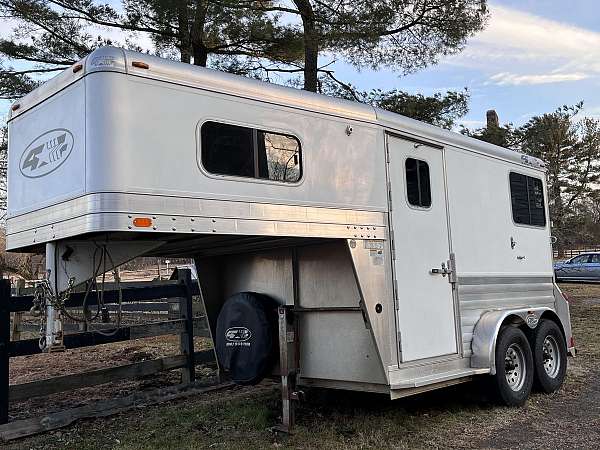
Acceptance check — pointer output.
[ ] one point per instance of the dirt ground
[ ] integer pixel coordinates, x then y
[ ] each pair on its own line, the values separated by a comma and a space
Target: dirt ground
40, 366
459, 417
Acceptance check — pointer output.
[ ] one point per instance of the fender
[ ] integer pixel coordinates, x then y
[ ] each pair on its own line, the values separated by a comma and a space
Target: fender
486, 331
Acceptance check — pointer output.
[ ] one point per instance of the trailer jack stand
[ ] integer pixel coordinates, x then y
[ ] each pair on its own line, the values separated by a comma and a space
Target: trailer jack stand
53, 340
288, 364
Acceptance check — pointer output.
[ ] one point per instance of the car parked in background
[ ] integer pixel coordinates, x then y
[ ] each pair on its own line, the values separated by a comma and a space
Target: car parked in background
584, 267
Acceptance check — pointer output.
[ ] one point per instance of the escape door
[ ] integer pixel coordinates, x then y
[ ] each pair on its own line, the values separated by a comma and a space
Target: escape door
426, 319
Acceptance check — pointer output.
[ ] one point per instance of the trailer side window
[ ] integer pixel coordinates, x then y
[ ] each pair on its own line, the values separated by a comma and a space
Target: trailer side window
527, 199
248, 152
418, 185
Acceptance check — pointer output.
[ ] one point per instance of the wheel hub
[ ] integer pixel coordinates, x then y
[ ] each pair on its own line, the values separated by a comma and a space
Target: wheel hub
551, 357
514, 366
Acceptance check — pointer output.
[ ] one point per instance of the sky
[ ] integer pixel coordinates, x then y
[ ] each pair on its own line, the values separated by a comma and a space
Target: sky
533, 56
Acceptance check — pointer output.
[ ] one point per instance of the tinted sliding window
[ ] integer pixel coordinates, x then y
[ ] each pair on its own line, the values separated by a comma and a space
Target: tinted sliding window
418, 185
248, 152
527, 198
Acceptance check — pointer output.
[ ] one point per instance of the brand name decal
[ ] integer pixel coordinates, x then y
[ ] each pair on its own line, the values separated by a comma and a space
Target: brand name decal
46, 153
532, 320
238, 334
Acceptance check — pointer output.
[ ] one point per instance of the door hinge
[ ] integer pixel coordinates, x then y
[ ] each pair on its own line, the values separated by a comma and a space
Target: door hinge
389, 188
392, 244
452, 269
395, 293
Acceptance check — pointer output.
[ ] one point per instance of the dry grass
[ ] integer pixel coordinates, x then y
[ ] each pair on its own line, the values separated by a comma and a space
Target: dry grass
458, 417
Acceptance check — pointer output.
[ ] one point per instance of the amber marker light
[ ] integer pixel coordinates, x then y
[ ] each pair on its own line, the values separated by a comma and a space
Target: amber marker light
142, 222
140, 65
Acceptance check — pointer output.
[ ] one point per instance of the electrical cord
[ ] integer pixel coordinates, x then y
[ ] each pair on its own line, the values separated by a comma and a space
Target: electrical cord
106, 254
58, 301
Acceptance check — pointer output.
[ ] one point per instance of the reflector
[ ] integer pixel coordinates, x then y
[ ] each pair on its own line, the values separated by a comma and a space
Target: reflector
140, 65
142, 222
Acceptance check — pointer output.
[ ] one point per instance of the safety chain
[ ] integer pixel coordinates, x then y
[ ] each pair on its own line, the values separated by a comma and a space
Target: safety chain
43, 296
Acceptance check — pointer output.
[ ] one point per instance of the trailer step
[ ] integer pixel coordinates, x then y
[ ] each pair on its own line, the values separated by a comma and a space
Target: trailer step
437, 378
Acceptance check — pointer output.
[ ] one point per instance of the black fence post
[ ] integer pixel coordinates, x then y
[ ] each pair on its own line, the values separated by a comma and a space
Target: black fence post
4, 348
187, 338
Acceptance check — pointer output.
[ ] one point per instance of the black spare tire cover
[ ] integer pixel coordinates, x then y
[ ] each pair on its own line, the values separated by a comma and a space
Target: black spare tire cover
246, 340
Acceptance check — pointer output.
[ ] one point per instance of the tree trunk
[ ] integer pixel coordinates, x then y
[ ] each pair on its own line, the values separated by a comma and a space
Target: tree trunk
199, 49
200, 54
184, 32
311, 44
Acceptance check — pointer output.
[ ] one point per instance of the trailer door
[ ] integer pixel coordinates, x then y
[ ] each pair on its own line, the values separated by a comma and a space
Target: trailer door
426, 311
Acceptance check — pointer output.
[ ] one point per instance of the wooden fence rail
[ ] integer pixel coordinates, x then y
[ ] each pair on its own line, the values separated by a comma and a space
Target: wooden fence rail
186, 326
571, 252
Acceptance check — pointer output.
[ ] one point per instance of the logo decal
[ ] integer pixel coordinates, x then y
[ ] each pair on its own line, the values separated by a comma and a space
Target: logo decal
46, 153
238, 334
532, 320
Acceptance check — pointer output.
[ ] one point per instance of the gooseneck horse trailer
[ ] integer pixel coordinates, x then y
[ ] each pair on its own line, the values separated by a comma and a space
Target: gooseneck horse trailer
337, 245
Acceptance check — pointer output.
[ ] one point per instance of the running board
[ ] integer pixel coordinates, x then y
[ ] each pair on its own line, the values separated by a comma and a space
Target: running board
438, 378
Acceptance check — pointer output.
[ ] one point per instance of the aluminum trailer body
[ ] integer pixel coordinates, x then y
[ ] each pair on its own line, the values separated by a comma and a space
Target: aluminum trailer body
404, 248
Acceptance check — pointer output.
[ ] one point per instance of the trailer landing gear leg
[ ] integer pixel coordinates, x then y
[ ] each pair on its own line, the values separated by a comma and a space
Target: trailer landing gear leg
54, 320
288, 368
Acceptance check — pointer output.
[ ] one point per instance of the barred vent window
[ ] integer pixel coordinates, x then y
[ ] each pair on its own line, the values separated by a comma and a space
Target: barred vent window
527, 198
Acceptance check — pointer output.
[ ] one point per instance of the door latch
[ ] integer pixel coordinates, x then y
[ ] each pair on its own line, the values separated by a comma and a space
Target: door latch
443, 271
448, 268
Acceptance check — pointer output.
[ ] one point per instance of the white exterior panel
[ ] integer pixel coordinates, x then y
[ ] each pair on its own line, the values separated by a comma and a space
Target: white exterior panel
482, 221
46, 159
145, 138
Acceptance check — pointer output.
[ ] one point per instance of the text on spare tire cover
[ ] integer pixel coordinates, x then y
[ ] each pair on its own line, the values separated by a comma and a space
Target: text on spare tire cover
238, 336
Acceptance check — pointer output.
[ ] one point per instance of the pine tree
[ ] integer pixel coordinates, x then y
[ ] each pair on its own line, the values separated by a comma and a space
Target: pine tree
404, 35
53, 34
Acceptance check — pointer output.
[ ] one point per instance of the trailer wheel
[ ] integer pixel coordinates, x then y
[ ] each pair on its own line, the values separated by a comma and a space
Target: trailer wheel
514, 367
550, 357
245, 339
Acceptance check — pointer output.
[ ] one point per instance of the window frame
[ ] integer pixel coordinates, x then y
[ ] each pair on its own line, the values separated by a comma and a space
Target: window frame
220, 176
544, 199
410, 205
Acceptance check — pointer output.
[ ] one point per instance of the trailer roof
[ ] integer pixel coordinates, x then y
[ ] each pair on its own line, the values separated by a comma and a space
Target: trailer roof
139, 64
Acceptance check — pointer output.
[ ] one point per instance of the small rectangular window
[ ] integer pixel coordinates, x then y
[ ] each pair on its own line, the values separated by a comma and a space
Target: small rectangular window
527, 199
418, 185
248, 152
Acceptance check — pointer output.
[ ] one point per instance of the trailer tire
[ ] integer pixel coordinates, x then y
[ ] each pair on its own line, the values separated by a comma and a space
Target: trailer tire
550, 357
245, 341
514, 367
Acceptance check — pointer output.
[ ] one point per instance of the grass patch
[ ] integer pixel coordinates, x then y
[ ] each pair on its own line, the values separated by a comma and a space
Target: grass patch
457, 417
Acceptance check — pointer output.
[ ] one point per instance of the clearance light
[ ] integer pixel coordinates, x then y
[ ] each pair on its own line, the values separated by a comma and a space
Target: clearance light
140, 65
15, 106
77, 68
142, 222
